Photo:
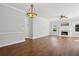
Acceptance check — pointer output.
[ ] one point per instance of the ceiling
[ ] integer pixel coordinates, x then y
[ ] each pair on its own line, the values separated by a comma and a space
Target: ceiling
51, 10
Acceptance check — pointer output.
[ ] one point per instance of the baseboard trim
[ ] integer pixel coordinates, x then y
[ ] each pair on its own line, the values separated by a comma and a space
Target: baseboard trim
43, 37
11, 43
38, 37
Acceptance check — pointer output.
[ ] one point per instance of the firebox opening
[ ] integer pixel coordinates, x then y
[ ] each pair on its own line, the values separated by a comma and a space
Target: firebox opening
64, 33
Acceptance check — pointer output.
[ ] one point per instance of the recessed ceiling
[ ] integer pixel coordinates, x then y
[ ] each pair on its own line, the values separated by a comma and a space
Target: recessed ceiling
51, 10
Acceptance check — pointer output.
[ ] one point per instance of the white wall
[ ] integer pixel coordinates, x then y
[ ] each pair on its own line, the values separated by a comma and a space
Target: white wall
73, 22
52, 24
36, 28
40, 27
27, 27
13, 21
11, 26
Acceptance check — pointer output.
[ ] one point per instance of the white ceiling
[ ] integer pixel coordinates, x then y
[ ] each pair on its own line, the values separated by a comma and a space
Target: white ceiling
51, 10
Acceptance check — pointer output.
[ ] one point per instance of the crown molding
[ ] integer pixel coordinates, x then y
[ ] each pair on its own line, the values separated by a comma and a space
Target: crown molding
12, 7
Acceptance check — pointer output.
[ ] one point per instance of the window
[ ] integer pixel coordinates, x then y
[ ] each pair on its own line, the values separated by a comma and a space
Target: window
77, 28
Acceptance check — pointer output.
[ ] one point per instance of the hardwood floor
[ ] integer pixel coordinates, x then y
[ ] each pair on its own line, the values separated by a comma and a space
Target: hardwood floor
47, 46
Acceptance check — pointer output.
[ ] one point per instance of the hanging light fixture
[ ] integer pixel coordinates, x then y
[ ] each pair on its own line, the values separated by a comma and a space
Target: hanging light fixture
63, 18
31, 13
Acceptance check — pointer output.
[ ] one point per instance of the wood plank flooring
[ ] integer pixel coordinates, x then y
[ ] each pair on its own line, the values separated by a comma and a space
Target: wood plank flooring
47, 46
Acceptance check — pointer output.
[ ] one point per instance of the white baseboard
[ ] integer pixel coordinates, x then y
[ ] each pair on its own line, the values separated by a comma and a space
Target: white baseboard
35, 37
67, 36
18, 41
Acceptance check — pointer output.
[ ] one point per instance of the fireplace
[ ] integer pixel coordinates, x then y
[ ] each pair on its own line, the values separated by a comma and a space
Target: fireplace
64, 33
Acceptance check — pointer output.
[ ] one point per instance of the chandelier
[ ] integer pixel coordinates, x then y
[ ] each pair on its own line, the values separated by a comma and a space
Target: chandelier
64, 18
31, 13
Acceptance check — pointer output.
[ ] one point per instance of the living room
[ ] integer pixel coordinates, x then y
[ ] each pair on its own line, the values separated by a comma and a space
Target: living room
39, 29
